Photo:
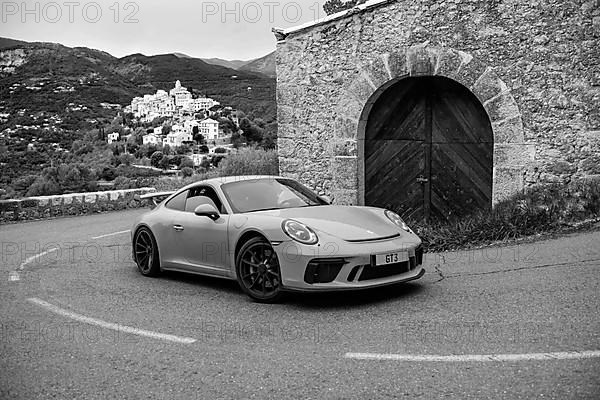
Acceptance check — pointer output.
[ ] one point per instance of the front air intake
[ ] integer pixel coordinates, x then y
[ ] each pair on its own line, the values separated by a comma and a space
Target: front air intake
323, 270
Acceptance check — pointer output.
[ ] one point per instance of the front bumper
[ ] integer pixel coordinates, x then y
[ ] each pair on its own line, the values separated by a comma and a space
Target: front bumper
354, 263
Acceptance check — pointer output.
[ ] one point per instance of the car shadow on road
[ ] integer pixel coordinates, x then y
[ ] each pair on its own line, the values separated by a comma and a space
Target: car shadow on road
224, 286
321, 300
354, 298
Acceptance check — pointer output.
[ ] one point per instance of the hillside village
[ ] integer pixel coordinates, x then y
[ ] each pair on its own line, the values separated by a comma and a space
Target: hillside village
178, 120
171, 132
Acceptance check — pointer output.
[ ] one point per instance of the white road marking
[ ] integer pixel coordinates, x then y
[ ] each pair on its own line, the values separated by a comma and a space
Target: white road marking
14, 276
33, 258
111, 234
561, 355
110, 325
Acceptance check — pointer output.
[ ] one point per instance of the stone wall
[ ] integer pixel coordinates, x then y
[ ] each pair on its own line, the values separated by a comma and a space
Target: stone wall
534, 65
70, 204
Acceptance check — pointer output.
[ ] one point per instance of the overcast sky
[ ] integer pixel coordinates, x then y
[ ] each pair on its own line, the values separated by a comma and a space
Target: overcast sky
225, 29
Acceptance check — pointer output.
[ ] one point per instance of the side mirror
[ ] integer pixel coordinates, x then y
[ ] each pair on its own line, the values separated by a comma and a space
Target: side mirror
325, 199
207, 210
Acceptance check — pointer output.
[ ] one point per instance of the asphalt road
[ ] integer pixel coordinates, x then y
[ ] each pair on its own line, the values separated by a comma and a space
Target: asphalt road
524, 300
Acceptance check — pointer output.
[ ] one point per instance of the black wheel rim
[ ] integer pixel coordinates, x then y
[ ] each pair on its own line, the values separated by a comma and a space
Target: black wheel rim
144, 251
259, 270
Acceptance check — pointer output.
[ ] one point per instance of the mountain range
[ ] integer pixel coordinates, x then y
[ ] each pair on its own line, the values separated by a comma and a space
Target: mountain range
49, 77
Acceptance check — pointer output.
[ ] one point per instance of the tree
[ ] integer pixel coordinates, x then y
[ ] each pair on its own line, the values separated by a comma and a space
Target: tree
227, 125
164, 162
108, 173
334, 6
199, 138
126, 159
186, 162
236, 140
187, 172
155, 159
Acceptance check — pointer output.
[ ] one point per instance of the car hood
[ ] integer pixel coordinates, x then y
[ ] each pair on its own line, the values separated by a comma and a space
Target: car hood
346, 222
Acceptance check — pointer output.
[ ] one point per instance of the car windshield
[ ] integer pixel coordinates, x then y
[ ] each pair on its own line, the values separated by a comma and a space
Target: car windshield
269, 194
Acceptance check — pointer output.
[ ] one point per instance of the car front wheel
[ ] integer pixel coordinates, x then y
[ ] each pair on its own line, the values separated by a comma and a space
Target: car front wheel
258, 272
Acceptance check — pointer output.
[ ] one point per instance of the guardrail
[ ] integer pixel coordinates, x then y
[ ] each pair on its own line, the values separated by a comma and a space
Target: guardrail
41, 207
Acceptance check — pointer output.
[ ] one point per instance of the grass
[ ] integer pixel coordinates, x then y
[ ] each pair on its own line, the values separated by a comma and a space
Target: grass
539, 210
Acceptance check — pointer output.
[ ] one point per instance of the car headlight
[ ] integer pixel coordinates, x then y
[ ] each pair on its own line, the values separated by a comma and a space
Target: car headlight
299, 232
397, 220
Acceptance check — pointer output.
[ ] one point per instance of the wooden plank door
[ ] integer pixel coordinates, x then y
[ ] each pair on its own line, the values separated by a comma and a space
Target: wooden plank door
461, 152
395, 150
428, 150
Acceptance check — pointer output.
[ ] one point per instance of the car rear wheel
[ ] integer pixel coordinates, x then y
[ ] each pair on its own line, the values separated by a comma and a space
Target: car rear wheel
146, 252
258, 272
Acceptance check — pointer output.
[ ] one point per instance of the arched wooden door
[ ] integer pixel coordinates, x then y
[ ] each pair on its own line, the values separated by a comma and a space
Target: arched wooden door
428, 150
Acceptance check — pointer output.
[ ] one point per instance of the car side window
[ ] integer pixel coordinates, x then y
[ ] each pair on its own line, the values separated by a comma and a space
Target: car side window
178, 202
203, 195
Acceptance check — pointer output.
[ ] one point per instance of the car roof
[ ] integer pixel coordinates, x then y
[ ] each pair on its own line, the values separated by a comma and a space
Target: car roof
219, 181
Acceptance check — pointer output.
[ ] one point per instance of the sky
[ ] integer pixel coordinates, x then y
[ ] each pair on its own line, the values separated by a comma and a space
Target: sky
224, 29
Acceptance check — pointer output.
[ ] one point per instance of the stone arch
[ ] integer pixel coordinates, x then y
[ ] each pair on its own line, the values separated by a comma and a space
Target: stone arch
511, 154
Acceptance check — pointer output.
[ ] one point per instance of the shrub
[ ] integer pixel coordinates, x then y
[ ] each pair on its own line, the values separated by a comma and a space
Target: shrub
155, 158
187, 172
122, 182
44, 187
108, 173
186, 162
250, 162
539, 210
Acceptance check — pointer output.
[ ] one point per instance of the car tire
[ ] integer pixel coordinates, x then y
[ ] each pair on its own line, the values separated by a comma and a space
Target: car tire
258, 272
145, 251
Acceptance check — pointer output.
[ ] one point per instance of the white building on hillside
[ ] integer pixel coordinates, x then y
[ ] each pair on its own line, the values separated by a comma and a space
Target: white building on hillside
188, 125
203, 103
182, 97
112, 137
162, 104
175, 139
152, 138
209, 128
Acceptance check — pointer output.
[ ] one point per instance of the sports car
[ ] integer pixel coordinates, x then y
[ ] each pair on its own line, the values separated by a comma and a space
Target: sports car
273, 234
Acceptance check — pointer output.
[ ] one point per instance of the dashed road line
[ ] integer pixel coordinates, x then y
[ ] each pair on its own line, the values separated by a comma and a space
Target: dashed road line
14, 276
111, 234
561, 355
110, 325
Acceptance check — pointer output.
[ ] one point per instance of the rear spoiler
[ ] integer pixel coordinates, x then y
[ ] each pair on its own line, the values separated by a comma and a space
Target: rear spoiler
156, 197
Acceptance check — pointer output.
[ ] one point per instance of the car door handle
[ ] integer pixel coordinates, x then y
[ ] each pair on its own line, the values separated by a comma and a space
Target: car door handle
178, 228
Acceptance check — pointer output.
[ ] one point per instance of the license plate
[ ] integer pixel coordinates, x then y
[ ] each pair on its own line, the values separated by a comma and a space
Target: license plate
391, 258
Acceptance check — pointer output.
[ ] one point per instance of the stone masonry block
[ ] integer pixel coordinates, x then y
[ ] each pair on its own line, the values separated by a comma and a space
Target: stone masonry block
397, 63
488, 85
502, 107
507, 182
448, 63
513, 154
421, 60
508, 130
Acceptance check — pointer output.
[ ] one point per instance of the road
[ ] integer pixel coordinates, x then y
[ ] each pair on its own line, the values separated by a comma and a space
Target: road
81, 322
